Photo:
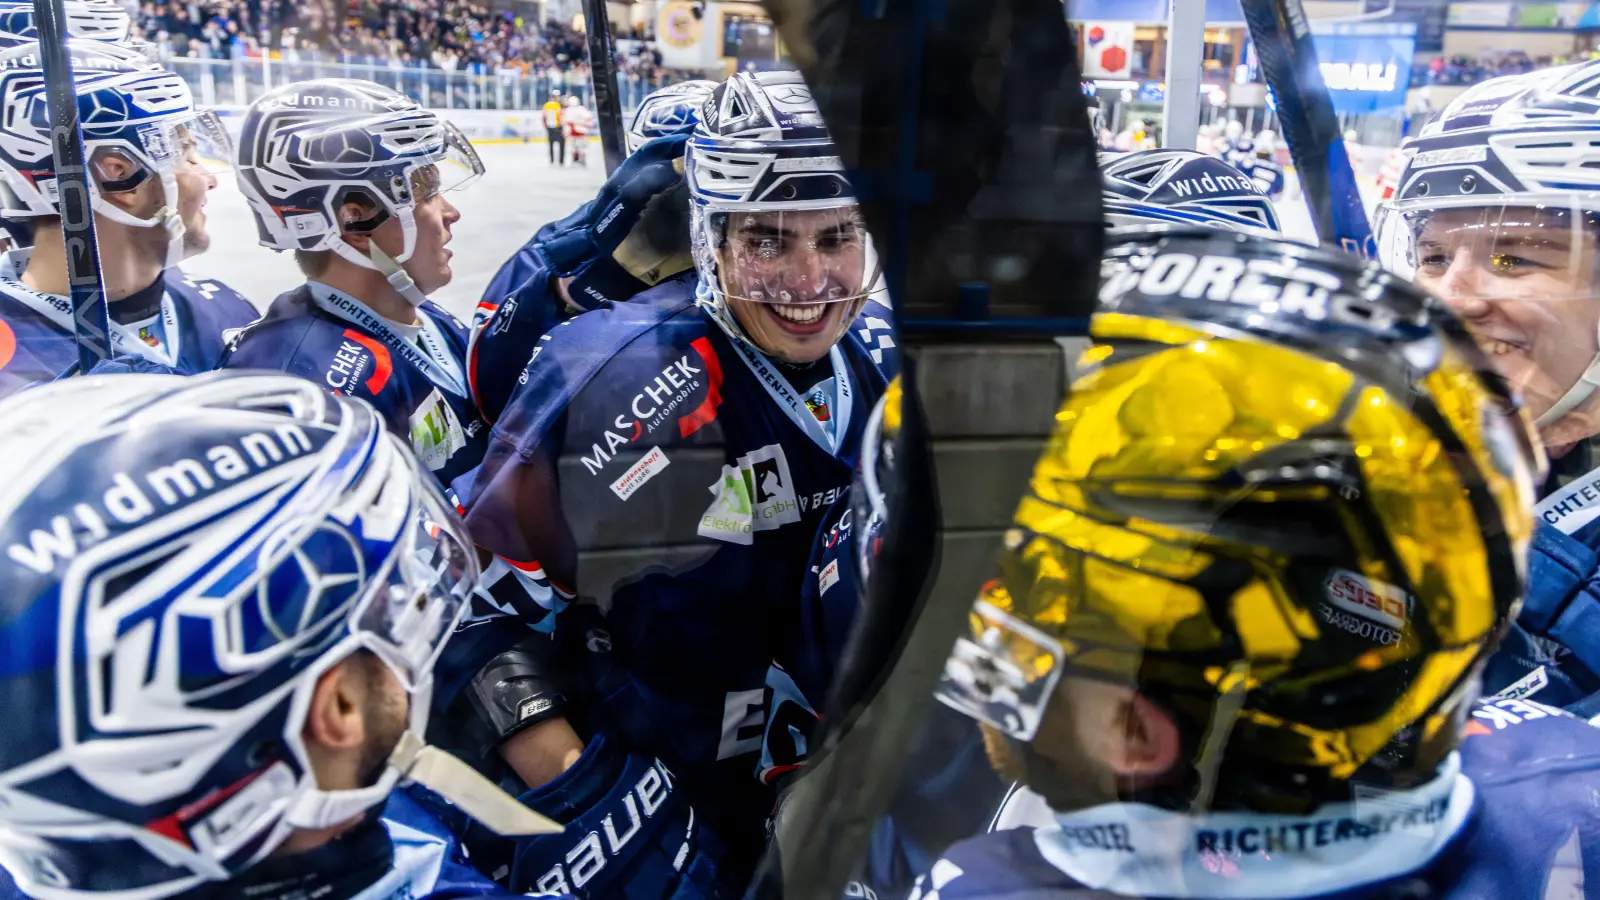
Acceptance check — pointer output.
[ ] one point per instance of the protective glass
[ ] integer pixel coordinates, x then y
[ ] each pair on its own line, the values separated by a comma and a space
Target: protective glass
874, 476
797, 257
408, 620
1329, 617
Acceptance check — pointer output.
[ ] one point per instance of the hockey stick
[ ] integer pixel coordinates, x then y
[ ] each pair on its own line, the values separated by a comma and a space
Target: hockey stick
90, 320
603, 74
1282, 37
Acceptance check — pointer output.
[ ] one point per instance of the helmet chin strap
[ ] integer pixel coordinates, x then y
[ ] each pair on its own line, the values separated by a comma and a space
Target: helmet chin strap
397, 277
1587, 384
165, 218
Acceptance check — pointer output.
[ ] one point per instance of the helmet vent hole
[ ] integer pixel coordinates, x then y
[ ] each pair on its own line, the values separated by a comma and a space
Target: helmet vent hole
1469, 184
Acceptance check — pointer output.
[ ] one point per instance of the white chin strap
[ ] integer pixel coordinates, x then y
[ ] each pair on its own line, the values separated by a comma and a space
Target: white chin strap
1588, 383
397, 277
165, 218
377, 260
435, 770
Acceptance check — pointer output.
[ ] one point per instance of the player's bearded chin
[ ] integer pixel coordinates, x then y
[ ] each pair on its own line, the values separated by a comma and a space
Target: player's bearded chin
387, 717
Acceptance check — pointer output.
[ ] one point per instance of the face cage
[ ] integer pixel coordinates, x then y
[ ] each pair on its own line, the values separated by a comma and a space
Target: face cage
405, 619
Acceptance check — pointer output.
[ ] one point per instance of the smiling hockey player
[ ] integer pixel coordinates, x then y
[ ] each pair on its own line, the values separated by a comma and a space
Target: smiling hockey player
1235, 636
296, 574
351, 177
1492, 220
712, 423
148, 149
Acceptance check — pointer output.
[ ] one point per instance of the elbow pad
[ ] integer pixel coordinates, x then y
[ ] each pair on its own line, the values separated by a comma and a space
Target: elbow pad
518, 688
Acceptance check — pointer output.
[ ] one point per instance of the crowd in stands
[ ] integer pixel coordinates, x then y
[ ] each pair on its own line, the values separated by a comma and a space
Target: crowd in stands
1465, 70
453, 35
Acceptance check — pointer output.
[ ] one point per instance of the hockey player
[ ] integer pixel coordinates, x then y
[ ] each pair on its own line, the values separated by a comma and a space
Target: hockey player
1489, 219
633, 236
351, 176
576, 120
295, 661
668, 110
1235, 636
148, 149
1181, 187
297, 573
711, 423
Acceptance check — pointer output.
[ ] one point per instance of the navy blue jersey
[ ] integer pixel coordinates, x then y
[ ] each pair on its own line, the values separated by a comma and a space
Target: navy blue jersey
1515, 819
1553, 654
644, 465
406, 854
518, 307
37, 343
417, 385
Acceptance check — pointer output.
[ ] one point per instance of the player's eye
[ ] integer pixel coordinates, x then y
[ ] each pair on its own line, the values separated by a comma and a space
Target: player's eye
1433, 259
1512, 264
765, 247
837, 241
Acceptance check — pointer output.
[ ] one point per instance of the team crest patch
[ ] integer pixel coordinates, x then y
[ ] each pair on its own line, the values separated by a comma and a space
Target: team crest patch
148, 336
817, 402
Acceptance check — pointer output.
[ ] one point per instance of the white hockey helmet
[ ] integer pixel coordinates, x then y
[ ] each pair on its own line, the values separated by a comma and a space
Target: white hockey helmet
130, 108
1503, 185
759, 160
1182, 187
91, 20
219, 542
667, 110
307, 148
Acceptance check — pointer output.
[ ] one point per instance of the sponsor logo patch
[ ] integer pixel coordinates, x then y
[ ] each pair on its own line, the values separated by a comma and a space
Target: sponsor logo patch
1371, 599
828, 577
755, 494
640, 472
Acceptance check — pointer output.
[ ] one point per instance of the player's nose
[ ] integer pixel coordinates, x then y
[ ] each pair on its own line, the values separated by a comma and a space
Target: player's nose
1462, 287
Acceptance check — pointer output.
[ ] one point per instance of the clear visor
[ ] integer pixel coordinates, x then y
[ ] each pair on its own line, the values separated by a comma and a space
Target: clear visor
1524, 278
407, 621
196, 144
1510, 251
457, 166
1003, 674
794, 256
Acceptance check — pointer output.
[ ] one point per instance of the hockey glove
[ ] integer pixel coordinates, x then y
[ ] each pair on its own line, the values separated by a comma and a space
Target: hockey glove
629, 834
635, 233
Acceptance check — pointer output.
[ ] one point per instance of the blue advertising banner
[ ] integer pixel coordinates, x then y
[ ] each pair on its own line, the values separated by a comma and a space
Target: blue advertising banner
1367, 65
1218, 12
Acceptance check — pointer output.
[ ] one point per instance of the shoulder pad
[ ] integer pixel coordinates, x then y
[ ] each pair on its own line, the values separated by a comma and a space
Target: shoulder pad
233, 305
639, 337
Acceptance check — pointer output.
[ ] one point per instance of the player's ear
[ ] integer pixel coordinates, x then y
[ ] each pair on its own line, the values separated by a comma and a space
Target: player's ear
336, 721
1149, 741
114, 175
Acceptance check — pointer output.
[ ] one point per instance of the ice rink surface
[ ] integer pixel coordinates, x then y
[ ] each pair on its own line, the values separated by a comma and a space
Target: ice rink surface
519, 191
